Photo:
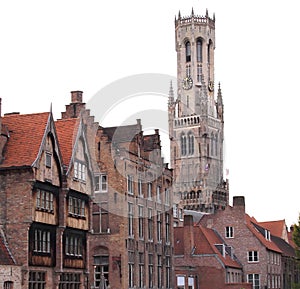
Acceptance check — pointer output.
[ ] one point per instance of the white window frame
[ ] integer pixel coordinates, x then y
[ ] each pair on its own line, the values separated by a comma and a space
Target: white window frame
229, 232
253, 256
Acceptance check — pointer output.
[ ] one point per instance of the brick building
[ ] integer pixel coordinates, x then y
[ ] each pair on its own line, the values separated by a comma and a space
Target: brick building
203, 260
81, 204
264, 256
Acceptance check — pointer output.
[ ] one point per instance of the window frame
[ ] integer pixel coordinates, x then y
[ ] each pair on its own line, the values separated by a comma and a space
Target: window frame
229, 232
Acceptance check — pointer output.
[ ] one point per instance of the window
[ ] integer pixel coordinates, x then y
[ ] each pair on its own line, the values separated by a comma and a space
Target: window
183, 144
254, 279
199, 50
37, 280
199, 73
101, 266
168, 271
101, 183
130, 220
74, 245
130, 269
191, 143
187, 51
150, 224
100, 218
76, 207
159, 226
8, 285
229, 232
48, 159
252, 256
41, 241
130, 184
167, 197
141, 222
149, 190
158, 194
150, 270
140, 187
267, 235
167, 228
141, 270
69, 281
44, 200
79, 171
159, 271
188, 70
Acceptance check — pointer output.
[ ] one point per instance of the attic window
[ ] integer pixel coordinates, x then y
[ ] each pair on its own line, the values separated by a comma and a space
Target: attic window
79, 171
48, 159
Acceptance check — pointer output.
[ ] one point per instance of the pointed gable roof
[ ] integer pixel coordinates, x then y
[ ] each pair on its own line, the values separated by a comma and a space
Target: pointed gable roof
67, 130
26, 133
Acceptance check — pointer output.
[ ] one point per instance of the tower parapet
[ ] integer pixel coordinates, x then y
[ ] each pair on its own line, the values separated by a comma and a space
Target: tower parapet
206, 20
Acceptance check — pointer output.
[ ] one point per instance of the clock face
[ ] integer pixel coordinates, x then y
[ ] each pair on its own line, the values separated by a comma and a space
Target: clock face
187, 83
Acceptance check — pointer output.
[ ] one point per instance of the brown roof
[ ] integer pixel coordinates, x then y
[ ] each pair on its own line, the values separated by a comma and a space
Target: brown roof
26, 132
67, 130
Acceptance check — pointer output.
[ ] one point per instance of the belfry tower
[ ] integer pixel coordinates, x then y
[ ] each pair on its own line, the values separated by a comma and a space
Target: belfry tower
196, 122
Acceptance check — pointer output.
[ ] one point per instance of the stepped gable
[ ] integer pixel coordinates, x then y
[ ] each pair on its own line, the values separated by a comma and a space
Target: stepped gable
124, 133
67, 132
26, 132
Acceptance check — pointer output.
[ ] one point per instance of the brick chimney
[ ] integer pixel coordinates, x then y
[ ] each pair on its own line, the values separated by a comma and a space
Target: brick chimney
74, 109
188, 234
239, 203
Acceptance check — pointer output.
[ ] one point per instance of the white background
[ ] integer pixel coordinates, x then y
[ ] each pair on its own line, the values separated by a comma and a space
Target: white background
49, 48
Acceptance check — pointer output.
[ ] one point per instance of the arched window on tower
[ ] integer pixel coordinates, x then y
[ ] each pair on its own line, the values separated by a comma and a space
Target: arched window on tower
183, 144
216, 145
199, 50
188, 51
191, 143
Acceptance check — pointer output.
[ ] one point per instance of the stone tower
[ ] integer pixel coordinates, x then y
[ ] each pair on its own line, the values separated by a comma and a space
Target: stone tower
196, 123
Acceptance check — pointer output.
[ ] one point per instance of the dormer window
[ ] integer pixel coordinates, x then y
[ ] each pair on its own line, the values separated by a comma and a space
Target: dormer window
267, 235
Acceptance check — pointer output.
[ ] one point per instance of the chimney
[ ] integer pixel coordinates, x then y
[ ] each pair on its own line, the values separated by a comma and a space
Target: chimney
239, 203
188, 234
76, 96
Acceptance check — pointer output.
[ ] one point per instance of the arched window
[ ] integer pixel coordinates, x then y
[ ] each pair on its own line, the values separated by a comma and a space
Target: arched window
216, 145
199, 50
183, 145
191, 143
209, 47
188, 51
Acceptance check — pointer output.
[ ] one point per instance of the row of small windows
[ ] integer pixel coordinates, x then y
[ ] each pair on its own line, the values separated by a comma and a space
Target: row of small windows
199, 51
187, 144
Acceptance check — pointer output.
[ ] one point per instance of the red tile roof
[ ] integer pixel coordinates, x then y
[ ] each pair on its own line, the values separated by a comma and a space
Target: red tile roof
252, 224
275, 227
205, 240
67, 130
26, 132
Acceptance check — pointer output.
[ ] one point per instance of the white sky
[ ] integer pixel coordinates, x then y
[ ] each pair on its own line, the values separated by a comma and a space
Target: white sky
49, 48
